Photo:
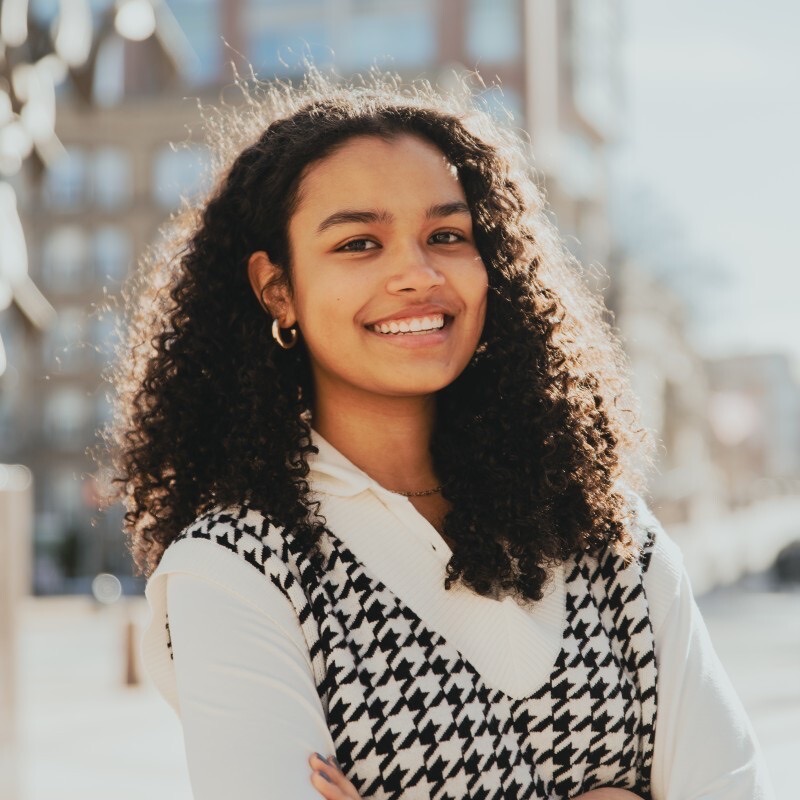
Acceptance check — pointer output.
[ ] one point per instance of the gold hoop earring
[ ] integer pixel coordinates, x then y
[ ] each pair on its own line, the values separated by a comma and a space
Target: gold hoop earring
278, 337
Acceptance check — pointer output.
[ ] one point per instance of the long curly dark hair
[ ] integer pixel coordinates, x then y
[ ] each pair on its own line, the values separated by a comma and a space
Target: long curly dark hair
536, 442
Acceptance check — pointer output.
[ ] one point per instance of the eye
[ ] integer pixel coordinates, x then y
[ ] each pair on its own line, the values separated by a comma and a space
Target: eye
447, 237
357, 246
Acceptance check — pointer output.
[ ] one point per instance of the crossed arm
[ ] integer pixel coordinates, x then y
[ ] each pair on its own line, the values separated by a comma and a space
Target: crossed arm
331, 784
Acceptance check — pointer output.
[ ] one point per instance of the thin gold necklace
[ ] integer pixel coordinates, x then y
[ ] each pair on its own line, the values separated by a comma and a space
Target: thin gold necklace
423, 493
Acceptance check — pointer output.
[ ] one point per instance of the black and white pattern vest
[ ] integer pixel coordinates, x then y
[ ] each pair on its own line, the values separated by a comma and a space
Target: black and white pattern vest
411, 718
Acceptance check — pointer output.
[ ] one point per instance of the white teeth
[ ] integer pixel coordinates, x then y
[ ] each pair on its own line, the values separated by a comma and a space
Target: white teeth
412, 325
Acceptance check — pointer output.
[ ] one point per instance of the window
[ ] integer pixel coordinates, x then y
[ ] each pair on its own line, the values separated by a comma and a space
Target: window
179, 173
66, 414
395, 36
108, 85
199, 20
65, 181
45, 11
111, 174
13, 400
503, 104
65, 345
66, 488
104, 336
594, 68
111, 255
282, 48
103, 409
64, 258
493, 31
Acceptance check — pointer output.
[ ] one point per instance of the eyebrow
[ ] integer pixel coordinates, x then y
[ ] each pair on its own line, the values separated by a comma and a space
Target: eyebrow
349, 216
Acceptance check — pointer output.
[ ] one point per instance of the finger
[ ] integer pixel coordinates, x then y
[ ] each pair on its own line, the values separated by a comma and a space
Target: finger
325, 786
330, 767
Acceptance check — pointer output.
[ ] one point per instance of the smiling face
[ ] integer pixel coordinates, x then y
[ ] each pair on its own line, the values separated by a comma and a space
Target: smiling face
388, 289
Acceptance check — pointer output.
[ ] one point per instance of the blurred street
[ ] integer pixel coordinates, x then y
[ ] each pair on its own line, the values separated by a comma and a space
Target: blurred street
756, 631
85, 736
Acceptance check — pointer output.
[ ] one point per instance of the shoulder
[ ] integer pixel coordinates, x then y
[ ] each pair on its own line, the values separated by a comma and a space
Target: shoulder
226, 524
229, 554
225, 540
222, 545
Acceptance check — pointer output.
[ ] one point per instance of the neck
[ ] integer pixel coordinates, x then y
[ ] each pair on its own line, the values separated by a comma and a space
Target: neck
388, 438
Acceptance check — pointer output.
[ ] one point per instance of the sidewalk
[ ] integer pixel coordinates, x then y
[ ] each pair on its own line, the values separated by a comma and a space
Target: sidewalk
84, 735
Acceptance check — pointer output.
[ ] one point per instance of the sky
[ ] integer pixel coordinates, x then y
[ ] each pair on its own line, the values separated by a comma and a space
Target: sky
710, 137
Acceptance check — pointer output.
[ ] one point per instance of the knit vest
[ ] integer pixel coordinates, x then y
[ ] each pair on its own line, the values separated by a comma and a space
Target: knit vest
411, 718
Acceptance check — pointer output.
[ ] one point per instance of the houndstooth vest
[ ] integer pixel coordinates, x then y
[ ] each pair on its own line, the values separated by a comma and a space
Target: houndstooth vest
411, 718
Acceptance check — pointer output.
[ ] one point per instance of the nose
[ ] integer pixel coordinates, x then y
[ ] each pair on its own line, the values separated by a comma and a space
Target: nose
413, 271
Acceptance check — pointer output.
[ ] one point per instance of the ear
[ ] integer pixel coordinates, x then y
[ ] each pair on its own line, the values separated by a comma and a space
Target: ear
268, 282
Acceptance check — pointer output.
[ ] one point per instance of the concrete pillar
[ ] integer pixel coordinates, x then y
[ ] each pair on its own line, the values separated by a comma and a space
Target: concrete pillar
16, 518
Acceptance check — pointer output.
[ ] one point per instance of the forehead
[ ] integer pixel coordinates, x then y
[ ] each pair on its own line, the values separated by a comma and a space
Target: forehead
377, 171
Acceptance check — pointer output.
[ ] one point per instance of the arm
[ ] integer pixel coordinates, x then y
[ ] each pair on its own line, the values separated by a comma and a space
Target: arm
705, 747
250, 713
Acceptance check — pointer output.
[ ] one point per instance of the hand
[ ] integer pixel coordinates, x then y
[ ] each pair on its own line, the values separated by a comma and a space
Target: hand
608, 794
337, 787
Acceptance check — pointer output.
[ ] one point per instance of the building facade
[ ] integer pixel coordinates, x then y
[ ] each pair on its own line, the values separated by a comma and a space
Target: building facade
551, 72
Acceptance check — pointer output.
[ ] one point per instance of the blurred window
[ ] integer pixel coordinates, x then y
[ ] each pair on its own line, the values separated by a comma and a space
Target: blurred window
66, 414
111, 254
282, 35
104, 336
595, 43
493, 31
103, 409
65, 256
112, 175
12, 384
65, 181
199, 20
44, 10
178, 173
65, 345
504, 104
108, 84
391, 34
62, 491
47, 10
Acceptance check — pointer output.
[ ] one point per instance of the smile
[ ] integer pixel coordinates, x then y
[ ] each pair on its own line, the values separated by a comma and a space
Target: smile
412, 325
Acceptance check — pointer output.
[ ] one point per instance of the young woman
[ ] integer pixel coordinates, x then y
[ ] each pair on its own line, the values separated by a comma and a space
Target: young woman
379, 466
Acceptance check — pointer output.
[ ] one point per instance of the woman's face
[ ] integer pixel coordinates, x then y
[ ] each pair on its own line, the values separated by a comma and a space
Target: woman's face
388, 289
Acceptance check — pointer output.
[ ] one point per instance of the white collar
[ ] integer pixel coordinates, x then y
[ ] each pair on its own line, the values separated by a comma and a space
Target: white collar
332, 473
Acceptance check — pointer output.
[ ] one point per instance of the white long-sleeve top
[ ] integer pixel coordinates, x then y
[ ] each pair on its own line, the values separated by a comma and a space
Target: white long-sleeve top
240, 676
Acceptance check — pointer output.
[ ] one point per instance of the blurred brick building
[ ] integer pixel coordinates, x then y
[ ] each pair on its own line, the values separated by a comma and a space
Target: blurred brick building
88, 217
